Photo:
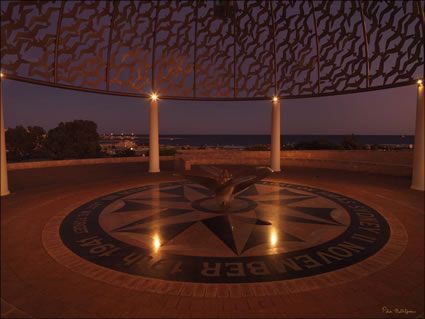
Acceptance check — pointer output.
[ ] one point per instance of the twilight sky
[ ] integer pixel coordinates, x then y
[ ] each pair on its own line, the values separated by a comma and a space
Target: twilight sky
383, 112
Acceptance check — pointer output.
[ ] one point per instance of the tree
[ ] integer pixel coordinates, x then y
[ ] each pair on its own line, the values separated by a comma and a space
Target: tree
37, 134
76, 139
24, 143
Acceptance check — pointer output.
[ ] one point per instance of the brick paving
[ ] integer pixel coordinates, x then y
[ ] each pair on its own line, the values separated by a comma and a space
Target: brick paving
33, 284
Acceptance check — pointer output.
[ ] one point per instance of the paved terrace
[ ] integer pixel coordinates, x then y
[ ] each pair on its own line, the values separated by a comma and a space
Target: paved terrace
38, 281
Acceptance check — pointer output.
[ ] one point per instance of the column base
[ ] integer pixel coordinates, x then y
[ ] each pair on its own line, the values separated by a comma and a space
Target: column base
154, 171
5, 193
417, 188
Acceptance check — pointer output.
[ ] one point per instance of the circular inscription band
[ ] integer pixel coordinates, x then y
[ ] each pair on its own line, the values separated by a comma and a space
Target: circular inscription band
271, 232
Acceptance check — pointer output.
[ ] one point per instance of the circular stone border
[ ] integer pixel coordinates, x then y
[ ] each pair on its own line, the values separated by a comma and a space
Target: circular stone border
394, 247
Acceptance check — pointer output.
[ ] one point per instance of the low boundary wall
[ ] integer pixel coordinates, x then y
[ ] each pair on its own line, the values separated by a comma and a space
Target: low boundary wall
89, 161
398, 163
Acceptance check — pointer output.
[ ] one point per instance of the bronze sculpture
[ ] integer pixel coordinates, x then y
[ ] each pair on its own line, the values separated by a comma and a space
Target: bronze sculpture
224, 185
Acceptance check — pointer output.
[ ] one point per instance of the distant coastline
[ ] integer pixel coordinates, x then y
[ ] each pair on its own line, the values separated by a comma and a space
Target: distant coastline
250, 140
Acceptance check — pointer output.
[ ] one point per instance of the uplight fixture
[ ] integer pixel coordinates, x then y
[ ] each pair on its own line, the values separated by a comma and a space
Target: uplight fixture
156, 242
154, 97
275, 99
420, 81
273, 238
1, 74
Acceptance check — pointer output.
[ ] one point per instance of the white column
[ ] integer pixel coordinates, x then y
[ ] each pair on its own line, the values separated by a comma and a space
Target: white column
4, 183
153, 137
275, 147
418, 154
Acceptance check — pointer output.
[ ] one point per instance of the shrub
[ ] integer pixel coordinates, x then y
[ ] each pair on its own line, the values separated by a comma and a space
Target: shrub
288, 147
320, 144
125, 153
167, 152
257, 148
350, 142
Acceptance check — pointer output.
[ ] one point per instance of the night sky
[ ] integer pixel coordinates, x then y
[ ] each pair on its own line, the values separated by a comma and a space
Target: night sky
382, 112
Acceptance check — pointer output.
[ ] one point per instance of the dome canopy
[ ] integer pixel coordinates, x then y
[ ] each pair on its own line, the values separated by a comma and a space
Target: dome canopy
214, 50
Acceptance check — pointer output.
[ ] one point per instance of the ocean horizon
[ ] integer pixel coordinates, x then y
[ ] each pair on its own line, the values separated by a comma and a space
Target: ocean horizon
244, 140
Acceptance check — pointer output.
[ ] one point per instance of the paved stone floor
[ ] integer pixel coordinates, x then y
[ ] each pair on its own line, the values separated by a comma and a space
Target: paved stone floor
112, 241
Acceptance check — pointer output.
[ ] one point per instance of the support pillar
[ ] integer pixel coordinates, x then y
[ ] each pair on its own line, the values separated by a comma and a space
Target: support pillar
153, 136
275, 147
418, 154
4, 183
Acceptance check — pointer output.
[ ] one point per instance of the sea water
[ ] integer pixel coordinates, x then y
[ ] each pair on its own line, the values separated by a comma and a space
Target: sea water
250, 140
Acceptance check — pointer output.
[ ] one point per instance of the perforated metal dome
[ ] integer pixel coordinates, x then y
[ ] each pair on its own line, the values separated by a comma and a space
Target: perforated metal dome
189, 50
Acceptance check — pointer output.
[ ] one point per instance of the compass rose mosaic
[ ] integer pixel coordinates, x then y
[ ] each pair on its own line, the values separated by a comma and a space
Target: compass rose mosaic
271, 232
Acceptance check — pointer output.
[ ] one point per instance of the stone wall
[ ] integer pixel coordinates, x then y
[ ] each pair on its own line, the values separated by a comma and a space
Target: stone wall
73, 162
397, 163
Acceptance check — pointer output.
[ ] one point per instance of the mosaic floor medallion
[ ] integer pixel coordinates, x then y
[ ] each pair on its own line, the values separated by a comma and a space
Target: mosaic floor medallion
271, 232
